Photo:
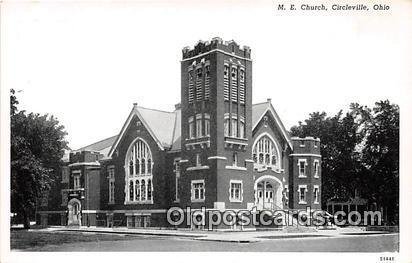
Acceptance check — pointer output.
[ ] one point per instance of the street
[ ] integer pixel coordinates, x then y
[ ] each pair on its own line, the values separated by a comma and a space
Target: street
110, 242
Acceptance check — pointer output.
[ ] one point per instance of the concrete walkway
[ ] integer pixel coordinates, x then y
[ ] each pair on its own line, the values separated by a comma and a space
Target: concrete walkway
250, 236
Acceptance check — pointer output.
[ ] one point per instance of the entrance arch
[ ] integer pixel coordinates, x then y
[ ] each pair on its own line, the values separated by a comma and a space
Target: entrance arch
268, 193
74, 217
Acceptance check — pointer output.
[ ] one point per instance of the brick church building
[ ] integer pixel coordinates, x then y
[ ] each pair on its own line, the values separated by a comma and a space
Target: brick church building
215, 150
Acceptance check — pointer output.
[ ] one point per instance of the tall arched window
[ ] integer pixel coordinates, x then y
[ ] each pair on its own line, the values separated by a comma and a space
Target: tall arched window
266, 153
139, 173
143, 190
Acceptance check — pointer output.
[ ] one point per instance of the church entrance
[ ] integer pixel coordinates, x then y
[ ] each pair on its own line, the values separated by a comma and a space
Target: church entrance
268, 193
74, 215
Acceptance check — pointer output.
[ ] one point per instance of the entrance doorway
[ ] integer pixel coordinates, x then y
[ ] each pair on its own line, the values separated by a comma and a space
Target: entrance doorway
268, 193
74, 213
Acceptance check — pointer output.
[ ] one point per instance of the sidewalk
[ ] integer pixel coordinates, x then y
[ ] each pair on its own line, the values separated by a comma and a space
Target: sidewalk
224, 236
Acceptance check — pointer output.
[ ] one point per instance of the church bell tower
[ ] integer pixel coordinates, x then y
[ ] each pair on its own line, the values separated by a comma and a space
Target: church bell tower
216, 125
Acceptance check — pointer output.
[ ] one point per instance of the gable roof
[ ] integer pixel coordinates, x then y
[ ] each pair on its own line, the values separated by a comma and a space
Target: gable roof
160, 125
259, 110
165, 127
100, 145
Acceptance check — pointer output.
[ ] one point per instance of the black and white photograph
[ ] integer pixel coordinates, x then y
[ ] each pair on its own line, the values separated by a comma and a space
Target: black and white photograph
205, 127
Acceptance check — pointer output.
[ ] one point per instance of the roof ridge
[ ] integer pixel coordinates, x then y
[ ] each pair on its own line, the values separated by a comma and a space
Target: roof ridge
171, 112
96, 142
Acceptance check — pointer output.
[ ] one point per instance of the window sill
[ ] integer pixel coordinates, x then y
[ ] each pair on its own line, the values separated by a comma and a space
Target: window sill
235, 201
303, 203
316, 176
315, 203
139, 202
236, 168
199, 138
302, 176
234, 141
203, 142
197, 200
194, 168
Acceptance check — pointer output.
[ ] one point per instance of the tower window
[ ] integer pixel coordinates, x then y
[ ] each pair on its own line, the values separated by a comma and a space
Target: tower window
191, 92
226, 71
241, 130
191, 128
198, 160
234, 73
242, 75
234, 128
226, 127
199, 126
302, 166
207, 69
207, 124
235, 160
199, 72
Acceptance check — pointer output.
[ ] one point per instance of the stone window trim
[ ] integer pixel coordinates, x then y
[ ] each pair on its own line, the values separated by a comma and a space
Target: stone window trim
201, 191
302, 201
316, 194
232, 194
300, 161
229, 167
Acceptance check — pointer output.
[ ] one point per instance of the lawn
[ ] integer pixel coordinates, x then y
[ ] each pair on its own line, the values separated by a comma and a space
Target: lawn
24, 239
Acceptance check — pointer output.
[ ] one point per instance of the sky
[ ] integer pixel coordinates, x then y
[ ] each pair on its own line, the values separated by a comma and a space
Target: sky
87, 63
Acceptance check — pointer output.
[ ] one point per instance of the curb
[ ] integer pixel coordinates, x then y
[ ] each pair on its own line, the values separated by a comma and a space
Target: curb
134, 233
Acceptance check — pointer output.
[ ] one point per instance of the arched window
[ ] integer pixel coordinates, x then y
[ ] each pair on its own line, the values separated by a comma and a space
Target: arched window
143, 190
265, 152
149, 166
149, 189
131, 190
143, 165
137, 189
139, 172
